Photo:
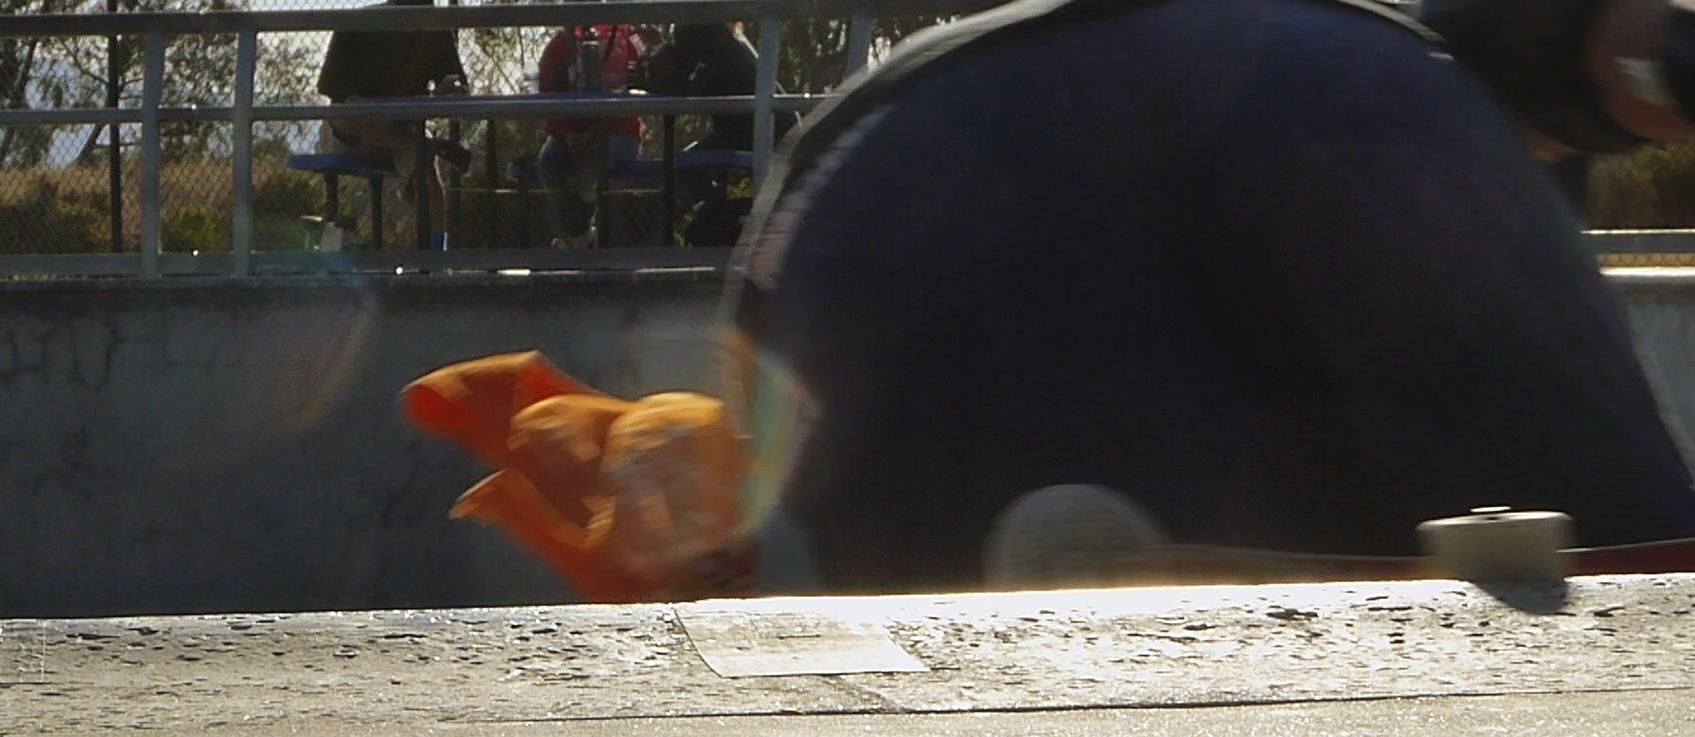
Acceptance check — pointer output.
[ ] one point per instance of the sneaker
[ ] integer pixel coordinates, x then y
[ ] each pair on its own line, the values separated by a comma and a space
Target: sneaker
584, 239
1073, 535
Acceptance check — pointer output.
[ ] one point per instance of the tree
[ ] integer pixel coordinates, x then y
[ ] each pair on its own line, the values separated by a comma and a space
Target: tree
815, 49
73, 72
21, 60
496, 59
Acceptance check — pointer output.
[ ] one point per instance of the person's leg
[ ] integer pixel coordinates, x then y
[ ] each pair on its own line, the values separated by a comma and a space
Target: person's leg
620, 150
559, 176
1317, 368
698, 185
395, 141
343, 138
431, 177
406, 163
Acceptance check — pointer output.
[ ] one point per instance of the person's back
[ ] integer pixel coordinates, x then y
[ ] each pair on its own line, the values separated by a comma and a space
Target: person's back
1277, 269
372, 64
720, 61
560, 68
363, 65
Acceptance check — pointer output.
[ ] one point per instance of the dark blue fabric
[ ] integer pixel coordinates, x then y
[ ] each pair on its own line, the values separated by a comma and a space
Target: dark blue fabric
1267, 265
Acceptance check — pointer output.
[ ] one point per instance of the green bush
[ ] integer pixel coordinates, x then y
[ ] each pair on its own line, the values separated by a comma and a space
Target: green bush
193, 228
44, 221
279, 201
289, 192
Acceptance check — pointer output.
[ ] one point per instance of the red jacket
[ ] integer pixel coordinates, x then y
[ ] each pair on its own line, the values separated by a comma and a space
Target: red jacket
558, 72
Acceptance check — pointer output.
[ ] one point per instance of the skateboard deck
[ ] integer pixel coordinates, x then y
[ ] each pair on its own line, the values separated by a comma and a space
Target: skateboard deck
1197, 564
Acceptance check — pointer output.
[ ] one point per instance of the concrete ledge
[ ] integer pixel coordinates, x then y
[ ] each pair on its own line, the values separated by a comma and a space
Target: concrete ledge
1627, 280
118, 271
507, 670
514, 278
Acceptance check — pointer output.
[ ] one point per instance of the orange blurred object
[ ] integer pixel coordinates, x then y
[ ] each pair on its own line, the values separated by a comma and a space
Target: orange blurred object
472, 403
628, 500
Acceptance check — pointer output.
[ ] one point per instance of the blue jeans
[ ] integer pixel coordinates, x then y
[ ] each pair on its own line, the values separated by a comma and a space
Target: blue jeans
570, 183
1346, 318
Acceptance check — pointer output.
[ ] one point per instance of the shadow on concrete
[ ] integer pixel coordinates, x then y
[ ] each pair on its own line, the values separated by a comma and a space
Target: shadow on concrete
1541, 597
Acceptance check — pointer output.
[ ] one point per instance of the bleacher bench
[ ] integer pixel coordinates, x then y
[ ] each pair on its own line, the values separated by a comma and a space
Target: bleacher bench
333, 167
638, 174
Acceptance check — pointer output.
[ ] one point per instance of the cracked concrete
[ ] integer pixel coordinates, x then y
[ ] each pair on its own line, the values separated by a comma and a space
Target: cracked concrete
238, 447
1342, 657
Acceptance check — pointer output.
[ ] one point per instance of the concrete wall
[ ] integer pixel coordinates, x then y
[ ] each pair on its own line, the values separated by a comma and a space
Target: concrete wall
1660, 304
221, 446
215, 446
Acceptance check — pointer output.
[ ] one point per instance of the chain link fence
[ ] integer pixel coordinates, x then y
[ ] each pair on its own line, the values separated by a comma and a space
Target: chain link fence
75, 188
1652, 189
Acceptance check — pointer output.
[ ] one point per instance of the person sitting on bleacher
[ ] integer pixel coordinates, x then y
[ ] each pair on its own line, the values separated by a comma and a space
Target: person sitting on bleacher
364, 65
712, 59
579, 150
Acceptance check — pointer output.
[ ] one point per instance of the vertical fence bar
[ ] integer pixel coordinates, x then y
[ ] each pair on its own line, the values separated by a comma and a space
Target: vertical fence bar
114, 145
858, 42
454, 200
455, 185
491, 173
668, 185
152, 91
241, 198
423, 176
764, 89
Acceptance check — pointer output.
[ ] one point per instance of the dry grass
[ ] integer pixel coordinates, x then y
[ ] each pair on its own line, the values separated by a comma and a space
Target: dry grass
63, 199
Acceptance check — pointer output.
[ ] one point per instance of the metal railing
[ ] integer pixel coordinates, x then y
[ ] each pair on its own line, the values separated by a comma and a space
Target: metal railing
157, 27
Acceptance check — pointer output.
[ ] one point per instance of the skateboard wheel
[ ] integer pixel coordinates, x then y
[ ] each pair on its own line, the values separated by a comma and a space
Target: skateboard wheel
1067, 535
1497, 544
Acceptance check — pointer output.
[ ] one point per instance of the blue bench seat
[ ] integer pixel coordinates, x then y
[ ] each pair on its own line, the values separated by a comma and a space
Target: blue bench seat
333, 166
647, 171
640, 173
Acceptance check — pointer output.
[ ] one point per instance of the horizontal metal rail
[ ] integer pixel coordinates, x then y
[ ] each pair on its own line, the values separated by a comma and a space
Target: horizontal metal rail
716, 260
1624, 242
480, 16
513, 261
425, 107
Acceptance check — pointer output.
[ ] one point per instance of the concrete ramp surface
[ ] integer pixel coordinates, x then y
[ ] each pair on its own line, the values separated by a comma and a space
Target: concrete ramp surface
1598, 656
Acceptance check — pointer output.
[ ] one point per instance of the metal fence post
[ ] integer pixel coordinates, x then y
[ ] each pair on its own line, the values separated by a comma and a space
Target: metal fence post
764, 88
241, 217
491, 175
114, 146
858, 43
454, 199
423, 175
152, 91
